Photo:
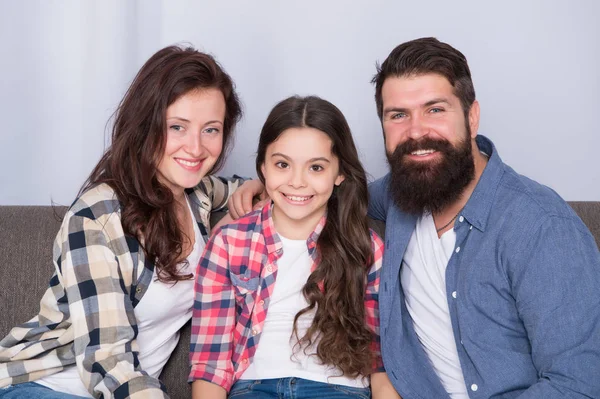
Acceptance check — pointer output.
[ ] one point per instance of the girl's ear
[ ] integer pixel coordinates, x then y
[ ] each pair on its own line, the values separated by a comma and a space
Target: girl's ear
262, 168
339, 180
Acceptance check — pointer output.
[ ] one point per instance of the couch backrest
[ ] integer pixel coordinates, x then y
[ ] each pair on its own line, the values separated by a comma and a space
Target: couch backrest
26, 236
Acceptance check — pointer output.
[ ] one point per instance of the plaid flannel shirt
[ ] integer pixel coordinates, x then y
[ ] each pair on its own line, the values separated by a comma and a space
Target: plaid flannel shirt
86, 316
236, 277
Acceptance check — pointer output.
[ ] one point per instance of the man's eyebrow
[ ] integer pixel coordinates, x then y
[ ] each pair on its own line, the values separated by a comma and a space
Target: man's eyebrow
427, 104
394, 109
436, 101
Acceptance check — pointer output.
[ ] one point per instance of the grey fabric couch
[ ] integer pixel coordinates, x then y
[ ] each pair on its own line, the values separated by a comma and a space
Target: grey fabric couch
26, 236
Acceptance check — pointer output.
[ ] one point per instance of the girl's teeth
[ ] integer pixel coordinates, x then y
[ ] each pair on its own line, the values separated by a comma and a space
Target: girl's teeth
293, 198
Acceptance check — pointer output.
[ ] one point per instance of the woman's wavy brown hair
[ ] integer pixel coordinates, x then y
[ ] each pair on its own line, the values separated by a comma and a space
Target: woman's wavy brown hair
129, 165
344, 245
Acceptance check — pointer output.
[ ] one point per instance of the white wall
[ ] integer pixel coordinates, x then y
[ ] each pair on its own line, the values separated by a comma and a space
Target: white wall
64, 65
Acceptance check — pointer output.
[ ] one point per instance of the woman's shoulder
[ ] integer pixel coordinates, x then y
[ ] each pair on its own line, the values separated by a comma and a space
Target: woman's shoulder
213, 191
96, 203
93, 219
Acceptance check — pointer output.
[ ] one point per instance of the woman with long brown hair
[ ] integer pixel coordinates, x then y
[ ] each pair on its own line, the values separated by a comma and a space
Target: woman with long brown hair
126, 254
286, 296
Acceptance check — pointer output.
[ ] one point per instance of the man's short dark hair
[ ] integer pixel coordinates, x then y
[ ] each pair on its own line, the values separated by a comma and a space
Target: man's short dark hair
424, 56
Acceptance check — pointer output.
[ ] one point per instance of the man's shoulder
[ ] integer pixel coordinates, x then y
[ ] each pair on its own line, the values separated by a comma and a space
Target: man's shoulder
521, 194
379, 190
380, 186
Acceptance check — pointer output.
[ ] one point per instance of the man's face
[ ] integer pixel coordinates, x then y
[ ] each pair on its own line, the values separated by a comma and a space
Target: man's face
428, 141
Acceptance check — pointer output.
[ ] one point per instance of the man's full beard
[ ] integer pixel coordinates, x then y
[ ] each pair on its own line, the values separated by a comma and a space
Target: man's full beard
430, 185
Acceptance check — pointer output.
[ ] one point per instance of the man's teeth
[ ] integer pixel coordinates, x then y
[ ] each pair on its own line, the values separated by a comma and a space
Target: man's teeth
422, 152
188, 163
299, 199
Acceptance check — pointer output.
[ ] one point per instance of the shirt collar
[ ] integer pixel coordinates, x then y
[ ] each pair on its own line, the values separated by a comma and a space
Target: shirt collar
272, 241
479, 205
199, 198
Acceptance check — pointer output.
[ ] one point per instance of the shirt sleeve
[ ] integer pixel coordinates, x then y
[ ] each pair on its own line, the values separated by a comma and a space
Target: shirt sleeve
378, 198
372, 300
220, 189
213, 317
101, 312
556, 291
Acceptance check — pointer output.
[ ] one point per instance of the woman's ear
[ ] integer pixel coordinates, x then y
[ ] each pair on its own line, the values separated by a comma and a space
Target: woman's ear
339, 180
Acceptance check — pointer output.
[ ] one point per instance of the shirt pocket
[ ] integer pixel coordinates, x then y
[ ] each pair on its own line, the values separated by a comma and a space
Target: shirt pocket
244, 288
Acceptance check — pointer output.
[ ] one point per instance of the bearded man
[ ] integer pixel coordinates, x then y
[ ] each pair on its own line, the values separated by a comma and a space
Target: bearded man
491, 283
490, 286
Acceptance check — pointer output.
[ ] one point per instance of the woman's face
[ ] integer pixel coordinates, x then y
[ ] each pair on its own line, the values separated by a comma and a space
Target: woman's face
194, 138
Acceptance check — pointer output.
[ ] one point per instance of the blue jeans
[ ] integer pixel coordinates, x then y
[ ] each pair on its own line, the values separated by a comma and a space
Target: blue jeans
294, 388
32, 390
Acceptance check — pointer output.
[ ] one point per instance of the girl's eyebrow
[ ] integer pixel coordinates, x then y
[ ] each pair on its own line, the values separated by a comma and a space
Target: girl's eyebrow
278, 154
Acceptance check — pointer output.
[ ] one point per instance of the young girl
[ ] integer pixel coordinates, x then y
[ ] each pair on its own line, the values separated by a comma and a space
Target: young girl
128, 247
286, 297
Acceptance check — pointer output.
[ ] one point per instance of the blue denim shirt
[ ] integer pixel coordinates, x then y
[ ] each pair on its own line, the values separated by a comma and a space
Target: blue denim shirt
523, 289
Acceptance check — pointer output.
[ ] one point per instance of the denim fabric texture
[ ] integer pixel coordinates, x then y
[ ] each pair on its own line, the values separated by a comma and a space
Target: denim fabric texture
32, 390
294, 388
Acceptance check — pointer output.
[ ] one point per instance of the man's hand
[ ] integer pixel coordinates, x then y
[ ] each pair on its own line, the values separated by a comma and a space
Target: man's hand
241, 201
382, 388
206, 390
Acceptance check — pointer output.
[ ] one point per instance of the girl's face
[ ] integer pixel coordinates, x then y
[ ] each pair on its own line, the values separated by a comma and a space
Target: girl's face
194, 139
300, 173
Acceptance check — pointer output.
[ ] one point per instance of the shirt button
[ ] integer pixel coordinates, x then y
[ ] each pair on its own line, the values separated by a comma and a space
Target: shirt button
474, 387
138, 290
461, 219
245, 361
261, 302
471, 228
454, 294
254, 332
457, 250
269, 269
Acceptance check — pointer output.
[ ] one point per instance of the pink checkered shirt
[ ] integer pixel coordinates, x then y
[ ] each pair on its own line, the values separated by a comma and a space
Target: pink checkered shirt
236, 277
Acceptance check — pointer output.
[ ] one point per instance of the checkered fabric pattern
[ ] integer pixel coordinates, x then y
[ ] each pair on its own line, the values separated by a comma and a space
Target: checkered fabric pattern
86, 316
236, 277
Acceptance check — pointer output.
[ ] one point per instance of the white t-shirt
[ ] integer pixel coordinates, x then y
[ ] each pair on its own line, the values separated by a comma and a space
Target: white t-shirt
423, 278
276, 355
160, 314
